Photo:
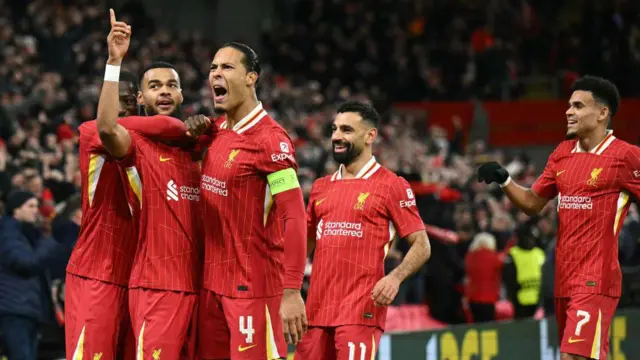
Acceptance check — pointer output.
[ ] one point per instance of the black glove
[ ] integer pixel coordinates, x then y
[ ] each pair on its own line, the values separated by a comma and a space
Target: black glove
492, 172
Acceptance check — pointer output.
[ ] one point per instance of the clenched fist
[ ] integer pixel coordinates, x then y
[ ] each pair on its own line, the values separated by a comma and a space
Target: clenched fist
197, 125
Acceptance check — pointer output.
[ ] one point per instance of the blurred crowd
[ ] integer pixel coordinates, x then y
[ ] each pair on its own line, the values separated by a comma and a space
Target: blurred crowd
452, 50
317, 54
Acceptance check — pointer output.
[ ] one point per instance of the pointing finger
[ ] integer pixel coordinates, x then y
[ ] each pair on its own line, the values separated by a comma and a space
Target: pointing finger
112, 14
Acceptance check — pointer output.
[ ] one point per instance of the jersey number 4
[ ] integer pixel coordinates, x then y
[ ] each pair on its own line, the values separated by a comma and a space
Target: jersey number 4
246, 328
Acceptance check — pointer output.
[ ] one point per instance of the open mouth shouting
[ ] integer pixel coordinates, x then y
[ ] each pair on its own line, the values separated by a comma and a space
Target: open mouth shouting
219, 93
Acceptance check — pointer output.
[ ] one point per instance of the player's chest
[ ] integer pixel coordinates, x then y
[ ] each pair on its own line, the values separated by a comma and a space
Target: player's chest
174, 167
231, 157
352, 200
587, 174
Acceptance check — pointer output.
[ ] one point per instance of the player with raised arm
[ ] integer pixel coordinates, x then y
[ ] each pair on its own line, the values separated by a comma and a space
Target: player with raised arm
98, 271
594, 175
164, 181
353, 216
254, 222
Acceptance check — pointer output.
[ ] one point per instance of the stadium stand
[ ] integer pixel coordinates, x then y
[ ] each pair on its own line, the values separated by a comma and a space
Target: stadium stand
318, 54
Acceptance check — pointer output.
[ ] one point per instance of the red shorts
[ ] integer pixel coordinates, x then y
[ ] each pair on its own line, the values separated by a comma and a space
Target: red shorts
346, 342
583, 324
94, 314
231, 328
126, 340
164, 323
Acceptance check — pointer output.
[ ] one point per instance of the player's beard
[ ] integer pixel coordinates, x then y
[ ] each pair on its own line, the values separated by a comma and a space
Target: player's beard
348, 156
571, 135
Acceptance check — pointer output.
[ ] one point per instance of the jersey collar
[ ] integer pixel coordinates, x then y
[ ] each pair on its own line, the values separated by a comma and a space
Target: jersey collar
598, 150
367, 170
248, 121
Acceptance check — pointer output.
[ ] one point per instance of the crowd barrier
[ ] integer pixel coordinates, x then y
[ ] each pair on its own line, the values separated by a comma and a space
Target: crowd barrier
522, 340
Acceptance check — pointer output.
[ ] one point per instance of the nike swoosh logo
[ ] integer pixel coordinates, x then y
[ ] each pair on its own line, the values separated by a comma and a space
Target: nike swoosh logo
572, 340
560, 173
164, 159
241, 349
320, 201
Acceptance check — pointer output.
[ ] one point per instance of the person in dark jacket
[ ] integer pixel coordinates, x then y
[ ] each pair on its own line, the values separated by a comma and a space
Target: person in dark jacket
24, 253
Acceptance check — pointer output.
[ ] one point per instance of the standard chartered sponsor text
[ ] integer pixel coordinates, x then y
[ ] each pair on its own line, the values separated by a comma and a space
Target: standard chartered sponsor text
189, 193
343, 228
573, 202
214, 185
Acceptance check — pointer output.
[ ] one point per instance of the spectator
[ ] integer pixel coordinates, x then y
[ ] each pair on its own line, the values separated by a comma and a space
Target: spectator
523, 273
66, 228
484, 276
24, 253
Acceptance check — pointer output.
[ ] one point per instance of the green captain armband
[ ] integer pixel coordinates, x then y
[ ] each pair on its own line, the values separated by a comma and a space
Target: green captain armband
283, 180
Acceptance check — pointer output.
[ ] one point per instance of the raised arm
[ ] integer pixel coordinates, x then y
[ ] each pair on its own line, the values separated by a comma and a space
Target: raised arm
114, 137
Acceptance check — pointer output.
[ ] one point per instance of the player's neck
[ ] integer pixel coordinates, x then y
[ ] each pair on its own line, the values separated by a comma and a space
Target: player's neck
351, 171
592, 139
237, 114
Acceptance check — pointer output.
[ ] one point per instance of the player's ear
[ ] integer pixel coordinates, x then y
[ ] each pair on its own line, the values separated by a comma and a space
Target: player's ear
604, 114
372, 135
252, 78
139, 98
180, 96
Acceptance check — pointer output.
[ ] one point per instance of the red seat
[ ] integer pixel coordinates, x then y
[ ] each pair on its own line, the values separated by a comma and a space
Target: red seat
411, 318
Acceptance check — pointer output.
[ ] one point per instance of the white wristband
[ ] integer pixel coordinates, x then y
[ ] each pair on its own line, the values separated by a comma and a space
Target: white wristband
112, 73
506, 182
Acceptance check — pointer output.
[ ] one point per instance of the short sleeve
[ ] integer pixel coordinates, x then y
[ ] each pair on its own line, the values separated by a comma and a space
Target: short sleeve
89, 137
276, 152
129, 159
402, 208
630, 176
545, 185
311, 213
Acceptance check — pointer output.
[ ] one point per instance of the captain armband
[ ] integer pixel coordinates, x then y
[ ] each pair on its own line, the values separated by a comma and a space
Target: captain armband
283, 180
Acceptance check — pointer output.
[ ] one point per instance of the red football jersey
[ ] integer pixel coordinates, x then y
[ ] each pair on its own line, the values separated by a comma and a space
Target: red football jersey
355, 221
593, 191
165, 190
243, 237
107, 240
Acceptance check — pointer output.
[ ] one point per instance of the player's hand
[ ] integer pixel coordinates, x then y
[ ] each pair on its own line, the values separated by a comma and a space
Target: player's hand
293, 315
197, 125
492, 172
385, 290
118, 39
